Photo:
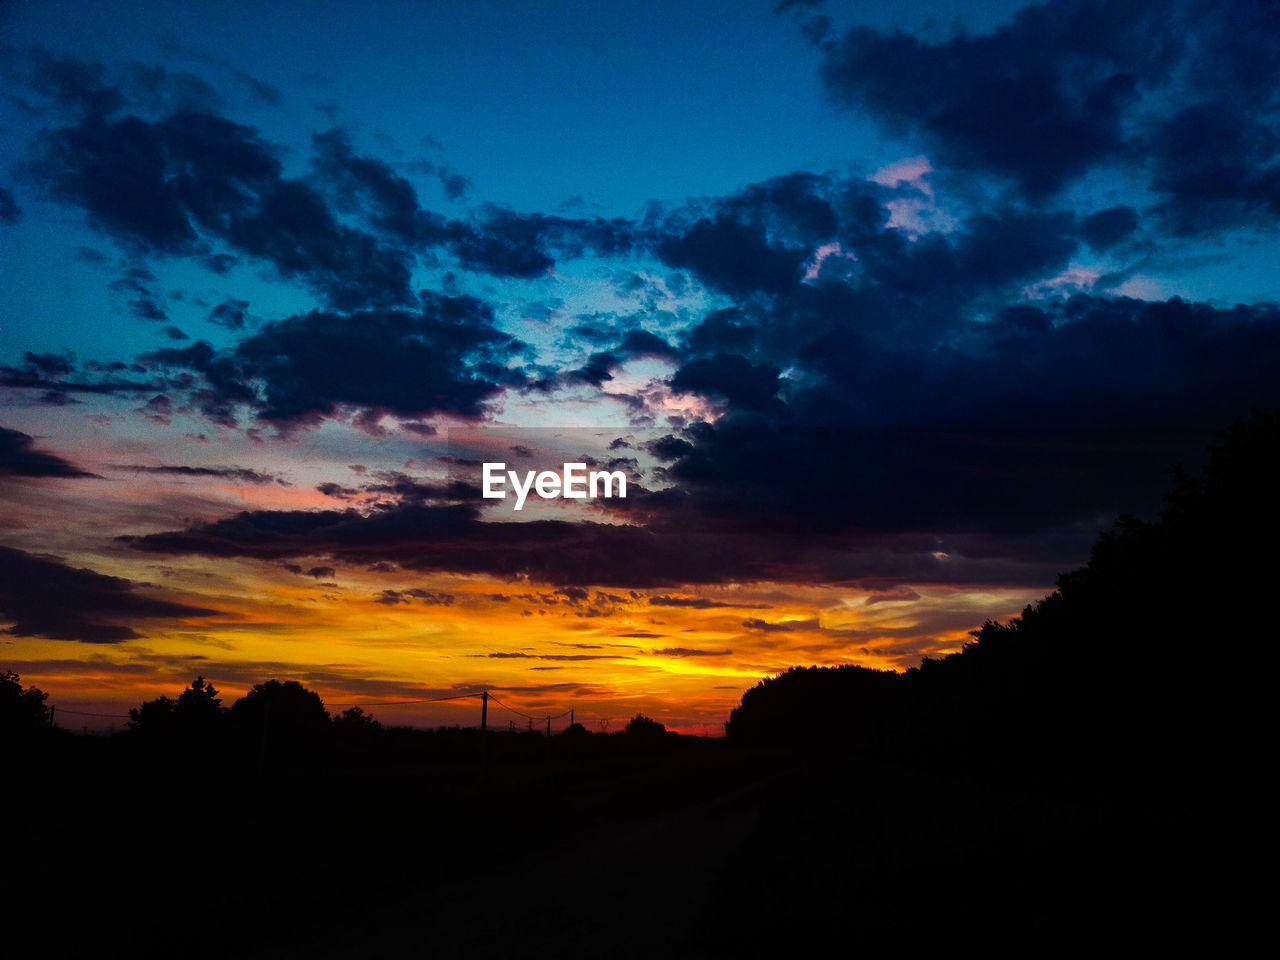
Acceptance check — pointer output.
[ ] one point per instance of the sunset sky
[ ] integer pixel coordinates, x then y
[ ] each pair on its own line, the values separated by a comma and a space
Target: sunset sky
886, 310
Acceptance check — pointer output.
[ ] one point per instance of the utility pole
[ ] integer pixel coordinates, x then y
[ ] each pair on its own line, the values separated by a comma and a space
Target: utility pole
548, 726
484, 729
571, 716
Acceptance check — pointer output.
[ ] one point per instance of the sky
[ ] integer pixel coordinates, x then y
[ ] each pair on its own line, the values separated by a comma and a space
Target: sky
886, 311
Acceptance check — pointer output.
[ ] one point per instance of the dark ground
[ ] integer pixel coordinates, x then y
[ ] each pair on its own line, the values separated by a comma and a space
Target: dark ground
684, 848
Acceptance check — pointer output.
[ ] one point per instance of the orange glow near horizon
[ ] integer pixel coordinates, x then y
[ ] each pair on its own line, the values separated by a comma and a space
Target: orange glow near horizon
540, 649
682, 655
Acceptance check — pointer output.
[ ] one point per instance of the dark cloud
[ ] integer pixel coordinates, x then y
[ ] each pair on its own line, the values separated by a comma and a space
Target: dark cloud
734, 257
730, 377
1185, 91
50, 364
20, 458
642, 343
294, 228
146, 309
430, 598
10, 212
1108, 227
784, 626
924, 391
447, 357
160, 185
722, 331
553, 656
231, 313
687, 652
1040, 99
337, 491
1217, 165
371, 185
702, 603
455, 184
58, 376
410, 489
44, 597
72, 84
452, 538
238, 474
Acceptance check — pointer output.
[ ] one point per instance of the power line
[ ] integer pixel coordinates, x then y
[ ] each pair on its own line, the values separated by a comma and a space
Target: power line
82, 713
529, 716
394, 703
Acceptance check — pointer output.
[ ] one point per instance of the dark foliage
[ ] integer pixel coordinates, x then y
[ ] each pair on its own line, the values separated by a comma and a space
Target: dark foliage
197, 713
22, 709
1119, 670
805, 703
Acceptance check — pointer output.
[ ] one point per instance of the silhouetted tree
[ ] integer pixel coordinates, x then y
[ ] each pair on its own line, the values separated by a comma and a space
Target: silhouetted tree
21, 709
196, 713
814, 705
642, 727
355, 720
1125, 664
153, 716
199, 700
285, 719
1124, 669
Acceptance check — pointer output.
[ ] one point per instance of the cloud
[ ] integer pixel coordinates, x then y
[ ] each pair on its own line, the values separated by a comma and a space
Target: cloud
446, 357
20, 458
1040, 99
159, 186
430, 598
230, 313
10, 212
702, 603
784, 626
553, 656
239, 474
1183, 93
755, 241
730, 377
44, 597
687, 652
1106, 228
